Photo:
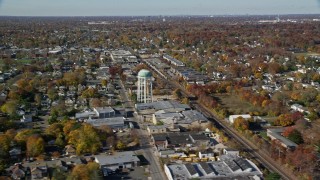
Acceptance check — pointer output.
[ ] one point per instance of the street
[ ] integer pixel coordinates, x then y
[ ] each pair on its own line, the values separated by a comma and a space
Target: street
147, 149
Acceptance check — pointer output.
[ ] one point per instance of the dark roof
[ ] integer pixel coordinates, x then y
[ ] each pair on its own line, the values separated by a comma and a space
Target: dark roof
159, 137
199, 137
191, 169
213, 141
232, 165
206, 168
181, 138
244, 164
61, 163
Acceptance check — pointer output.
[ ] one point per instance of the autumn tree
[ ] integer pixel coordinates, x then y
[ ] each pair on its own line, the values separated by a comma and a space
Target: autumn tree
284, 120
121, 145
11, 133
140, 67
274, 68
70, 126
302, 158
22, 136
114, 70
241, 124
4, 145
89, 93
37, 99
35, 145
74, 78
177, 93
287, 131
86, 171
52, 94
54, 129
104, 82
86, 139
10, 107
95, 102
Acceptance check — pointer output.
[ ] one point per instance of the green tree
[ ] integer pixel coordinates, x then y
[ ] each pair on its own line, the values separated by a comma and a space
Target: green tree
104, 82
60, 140
273, 176
313, 115
134, 97
177, 93
121, 145
296, 137
52, 94
59, 174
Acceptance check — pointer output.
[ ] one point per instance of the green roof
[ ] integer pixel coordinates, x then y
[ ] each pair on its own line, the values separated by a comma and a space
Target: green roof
144, 73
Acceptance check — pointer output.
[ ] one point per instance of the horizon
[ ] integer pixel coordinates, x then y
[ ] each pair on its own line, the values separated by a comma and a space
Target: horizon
69, 8
182, 15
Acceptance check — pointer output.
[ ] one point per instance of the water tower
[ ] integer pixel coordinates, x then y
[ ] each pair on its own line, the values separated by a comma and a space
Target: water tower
144, 92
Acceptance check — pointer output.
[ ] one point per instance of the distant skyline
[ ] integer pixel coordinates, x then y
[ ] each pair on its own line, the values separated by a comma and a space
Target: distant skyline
156, 7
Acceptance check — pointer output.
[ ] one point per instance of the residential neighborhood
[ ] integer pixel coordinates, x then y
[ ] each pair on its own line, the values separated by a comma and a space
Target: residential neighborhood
143, 98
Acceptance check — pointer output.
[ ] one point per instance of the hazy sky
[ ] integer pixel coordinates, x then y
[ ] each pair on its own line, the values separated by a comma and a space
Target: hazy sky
155, 7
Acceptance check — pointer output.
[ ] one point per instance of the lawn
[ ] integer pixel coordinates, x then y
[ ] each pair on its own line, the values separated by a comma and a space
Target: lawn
235, 105
20, 61
263, 134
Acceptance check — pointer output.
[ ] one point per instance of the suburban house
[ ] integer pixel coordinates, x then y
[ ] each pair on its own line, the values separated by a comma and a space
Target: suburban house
17, 172
15, 152
160, 141
199, 139
39, 172
298, 107
157, 129
232, 152
207, 153
26, 118
70, 150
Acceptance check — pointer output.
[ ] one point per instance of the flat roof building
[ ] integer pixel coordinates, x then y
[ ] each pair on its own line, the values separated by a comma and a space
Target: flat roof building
126, 159
275, 134
229, 168
113, 122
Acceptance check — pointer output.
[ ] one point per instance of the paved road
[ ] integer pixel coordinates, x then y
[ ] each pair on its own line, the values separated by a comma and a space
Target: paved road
258, 154
155, 169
